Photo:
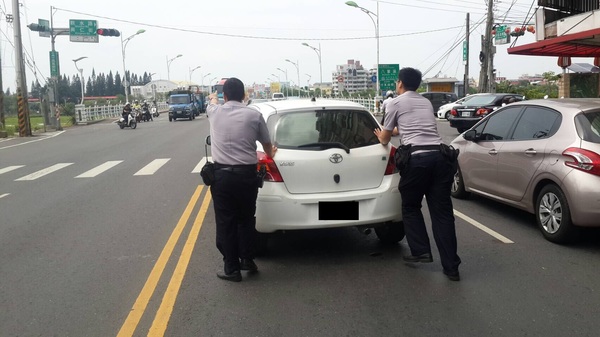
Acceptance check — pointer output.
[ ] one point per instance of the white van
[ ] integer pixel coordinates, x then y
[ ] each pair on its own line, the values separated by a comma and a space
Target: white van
277, 96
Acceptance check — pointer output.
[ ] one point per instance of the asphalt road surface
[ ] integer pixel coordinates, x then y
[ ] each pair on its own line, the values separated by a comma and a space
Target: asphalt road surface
109, 232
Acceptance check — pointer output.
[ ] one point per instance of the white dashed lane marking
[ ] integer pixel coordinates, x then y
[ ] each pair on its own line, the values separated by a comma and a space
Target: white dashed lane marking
4, 195
151, 168
477, 224
198, 167
10, 168
41, 173
99, 169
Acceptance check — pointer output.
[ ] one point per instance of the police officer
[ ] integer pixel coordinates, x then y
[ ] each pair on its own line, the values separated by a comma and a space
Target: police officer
428, 173
234, 130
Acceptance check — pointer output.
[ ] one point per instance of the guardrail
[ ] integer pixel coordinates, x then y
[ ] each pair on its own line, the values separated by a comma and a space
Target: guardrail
86, 114
368, 102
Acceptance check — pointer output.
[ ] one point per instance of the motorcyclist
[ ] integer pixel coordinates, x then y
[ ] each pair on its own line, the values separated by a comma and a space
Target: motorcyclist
126, 111
146, 110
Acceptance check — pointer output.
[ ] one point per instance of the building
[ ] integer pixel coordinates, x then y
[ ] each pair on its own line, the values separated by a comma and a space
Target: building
566, 29
352, 77
151, 89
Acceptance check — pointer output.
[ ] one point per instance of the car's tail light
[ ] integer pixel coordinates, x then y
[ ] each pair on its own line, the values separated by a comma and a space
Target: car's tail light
453, 112
391, 165
583, 160
272, 173
482, 112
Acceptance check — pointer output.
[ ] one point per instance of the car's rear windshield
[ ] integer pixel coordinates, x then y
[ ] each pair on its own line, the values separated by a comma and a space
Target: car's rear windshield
588, 126
480, 100
313, 130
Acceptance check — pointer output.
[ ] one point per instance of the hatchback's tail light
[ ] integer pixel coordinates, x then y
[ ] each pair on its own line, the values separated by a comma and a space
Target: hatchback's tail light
453, 112
583, 160
272, 173
390, 168
482, 112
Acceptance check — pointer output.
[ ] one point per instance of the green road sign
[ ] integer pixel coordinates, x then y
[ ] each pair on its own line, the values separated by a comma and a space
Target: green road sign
46, 25
83, 30
501, 36
387, 76
54, 64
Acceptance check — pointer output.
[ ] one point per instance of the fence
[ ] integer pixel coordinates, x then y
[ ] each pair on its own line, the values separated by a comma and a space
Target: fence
368, 102
86, 114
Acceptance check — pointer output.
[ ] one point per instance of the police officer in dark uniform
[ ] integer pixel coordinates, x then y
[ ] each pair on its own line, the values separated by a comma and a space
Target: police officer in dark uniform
235, 129
428, 173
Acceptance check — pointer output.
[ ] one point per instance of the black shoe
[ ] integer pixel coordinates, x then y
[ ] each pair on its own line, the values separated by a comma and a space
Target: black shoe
236, 276
452, 275
249, 265
423, 258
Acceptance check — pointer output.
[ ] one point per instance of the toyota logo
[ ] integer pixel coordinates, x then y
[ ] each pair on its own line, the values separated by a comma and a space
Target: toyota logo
336, 158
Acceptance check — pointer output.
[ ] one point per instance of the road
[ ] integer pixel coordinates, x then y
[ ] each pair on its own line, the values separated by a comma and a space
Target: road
109, 232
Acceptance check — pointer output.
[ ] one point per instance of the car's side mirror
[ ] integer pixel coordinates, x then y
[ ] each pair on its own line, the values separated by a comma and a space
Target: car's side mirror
470, 135
208, 140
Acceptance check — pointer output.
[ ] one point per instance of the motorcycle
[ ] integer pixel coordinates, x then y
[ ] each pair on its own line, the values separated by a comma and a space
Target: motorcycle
131, 121
154, 111
146, 116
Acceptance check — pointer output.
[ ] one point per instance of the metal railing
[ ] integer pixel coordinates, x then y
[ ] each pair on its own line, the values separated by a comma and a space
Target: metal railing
86, 114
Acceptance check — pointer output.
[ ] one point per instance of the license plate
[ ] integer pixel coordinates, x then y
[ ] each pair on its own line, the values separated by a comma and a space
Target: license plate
466, 114
342, 210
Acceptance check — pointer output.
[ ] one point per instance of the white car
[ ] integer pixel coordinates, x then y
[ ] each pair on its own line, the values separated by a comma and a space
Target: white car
444, 111
329, 170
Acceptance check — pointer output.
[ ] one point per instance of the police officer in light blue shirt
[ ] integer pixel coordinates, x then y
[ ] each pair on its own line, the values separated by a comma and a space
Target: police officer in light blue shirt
234, 130
428, 173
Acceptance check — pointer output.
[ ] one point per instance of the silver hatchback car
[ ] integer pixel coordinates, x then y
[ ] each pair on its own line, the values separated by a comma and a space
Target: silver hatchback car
542, 156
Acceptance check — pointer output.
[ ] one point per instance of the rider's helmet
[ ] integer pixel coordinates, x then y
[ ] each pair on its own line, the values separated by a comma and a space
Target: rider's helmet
389, 93
136, 101
127, 104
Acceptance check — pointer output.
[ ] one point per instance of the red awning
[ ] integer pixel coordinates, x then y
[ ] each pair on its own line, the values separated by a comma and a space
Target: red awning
583, 44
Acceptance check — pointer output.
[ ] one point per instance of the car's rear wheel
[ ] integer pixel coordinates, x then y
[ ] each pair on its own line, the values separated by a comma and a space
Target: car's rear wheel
447, 115
390, 233
553, 215
457, 189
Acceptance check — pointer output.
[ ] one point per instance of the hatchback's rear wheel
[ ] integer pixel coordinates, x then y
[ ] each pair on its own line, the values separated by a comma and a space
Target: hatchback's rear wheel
390, 233
457, 189
553, 215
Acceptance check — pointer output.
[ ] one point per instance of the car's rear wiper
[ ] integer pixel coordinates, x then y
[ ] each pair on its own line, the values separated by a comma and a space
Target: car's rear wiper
327, 145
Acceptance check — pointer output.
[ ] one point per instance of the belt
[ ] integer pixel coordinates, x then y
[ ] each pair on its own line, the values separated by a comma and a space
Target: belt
415, 148
235, 168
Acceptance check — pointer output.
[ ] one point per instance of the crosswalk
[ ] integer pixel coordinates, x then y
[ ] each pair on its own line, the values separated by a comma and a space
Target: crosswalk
147, 170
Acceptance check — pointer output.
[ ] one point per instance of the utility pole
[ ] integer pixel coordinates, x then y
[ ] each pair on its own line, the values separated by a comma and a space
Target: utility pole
2, 120
486, 53
466, 80
54, 97
22, 104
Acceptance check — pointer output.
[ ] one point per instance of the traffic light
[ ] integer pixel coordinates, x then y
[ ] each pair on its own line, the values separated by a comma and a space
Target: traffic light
38, 28
108, 32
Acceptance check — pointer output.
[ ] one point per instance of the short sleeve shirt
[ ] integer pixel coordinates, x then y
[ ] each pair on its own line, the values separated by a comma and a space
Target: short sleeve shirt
234, 131
414, 117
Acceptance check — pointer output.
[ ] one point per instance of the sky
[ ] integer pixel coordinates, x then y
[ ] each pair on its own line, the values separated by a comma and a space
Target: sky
251, 39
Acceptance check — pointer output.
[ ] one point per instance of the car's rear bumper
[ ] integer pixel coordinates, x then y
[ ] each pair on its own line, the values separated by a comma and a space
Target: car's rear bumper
463, 123
581, 189
277, 209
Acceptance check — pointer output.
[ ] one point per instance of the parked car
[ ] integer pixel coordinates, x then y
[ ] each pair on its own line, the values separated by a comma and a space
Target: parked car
329, 170
542, 156
473, 110
438, 99
444, 111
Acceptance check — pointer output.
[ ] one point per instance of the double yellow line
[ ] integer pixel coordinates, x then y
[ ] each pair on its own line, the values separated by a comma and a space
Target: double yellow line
161, 320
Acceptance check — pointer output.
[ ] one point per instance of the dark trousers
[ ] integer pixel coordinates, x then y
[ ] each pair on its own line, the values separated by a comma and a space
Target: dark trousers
431, 175
234, 198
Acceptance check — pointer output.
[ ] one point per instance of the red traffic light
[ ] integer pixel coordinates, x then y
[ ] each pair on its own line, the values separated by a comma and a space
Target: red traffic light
108, 32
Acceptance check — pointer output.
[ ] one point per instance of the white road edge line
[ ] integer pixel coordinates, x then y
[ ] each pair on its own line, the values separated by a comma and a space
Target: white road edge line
4, 195
477, 224
198, 167
33, 141
151, 168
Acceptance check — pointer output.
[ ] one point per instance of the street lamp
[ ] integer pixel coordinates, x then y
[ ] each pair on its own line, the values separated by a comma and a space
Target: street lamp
169, 65
123, 46
376, 24
191, 71
297, 72
203, 81
153, 86
286, 81
80, 75
318, 51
